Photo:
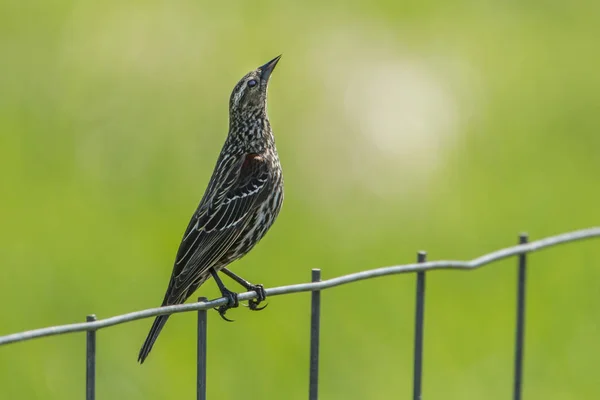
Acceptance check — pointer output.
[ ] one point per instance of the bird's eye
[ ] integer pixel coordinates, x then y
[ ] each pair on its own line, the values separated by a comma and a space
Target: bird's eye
252, 83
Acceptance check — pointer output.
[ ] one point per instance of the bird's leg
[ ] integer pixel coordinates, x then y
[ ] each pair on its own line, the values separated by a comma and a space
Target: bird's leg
259, 289
232, 299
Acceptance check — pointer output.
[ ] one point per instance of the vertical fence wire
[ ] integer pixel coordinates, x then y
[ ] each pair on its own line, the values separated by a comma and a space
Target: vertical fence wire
201, 367
90, 361
520, 327
315, 327
419, 317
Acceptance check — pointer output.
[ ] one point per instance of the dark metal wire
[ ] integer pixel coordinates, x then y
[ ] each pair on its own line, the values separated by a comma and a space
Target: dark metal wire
315, 328
419, 317
520, 331
308, 287
202, 336
90, 362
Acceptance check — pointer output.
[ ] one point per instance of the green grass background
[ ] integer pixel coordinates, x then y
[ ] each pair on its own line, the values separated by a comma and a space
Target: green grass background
444, 126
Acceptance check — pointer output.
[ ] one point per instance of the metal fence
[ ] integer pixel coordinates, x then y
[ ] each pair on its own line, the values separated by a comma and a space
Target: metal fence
420, 267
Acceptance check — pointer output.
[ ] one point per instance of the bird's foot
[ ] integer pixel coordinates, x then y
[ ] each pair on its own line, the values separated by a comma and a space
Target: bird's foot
232, 302
261, 296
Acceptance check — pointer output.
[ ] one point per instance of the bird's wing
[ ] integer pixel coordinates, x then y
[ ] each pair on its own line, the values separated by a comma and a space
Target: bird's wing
220, 219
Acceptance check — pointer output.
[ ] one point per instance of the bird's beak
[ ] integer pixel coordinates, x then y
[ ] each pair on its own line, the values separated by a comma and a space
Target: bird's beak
265, 70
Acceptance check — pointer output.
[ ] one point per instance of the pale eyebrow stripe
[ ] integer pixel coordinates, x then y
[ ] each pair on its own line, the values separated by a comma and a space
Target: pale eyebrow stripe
238, 95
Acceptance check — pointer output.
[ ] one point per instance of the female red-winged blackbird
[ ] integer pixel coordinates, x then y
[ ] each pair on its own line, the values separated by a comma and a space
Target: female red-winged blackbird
243, 197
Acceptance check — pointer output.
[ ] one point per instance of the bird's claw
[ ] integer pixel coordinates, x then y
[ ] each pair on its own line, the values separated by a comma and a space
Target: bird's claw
261, 296
253, 305
221, 312
232, 302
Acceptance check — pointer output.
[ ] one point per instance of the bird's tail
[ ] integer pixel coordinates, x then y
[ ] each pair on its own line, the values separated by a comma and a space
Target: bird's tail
157, 326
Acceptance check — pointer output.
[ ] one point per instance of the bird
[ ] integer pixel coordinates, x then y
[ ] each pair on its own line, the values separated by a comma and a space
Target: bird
242, 200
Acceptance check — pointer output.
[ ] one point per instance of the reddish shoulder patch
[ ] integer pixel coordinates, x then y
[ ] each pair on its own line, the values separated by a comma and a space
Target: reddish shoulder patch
251, 159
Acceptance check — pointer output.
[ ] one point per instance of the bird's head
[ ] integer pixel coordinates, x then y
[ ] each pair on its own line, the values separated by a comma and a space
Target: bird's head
249, 97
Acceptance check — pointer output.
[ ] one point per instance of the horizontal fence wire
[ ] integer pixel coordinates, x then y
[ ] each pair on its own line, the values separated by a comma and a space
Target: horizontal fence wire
308, 287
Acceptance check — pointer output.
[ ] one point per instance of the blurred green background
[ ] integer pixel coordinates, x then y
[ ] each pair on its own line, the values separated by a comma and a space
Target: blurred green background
443, 126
